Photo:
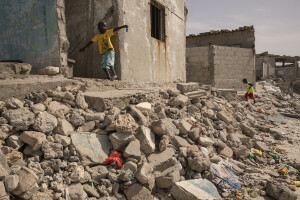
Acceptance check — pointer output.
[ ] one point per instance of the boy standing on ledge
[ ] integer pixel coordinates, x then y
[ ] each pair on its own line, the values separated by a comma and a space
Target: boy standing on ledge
106, 48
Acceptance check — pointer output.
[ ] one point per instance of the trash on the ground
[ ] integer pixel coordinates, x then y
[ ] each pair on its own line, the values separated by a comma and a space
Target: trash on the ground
115, 157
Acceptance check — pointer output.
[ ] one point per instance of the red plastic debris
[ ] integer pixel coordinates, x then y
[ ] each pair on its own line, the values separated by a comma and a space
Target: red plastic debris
115, 157
260, 111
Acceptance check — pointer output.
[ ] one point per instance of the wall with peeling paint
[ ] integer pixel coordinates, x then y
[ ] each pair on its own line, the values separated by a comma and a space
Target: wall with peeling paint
29, 32
147, 59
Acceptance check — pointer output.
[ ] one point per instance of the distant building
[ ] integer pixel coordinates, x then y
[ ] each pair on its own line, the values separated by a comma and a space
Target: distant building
221, 58
49, 32
275, 65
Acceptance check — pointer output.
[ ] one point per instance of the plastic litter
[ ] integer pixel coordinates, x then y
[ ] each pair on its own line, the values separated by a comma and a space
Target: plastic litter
255, 151
115, 157
274, 155
284, 170
297, 183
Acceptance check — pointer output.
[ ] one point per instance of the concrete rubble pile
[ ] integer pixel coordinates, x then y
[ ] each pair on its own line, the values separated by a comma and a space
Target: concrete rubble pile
192, 143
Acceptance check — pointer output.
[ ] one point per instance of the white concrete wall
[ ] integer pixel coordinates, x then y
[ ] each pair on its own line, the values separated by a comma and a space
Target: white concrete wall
231, 65
143, 58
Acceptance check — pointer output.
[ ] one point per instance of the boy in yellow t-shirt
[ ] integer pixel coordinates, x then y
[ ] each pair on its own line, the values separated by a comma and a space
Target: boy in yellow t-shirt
249, 94
106, 48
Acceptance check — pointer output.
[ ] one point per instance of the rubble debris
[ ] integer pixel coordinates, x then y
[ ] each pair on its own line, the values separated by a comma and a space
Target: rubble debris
49, 71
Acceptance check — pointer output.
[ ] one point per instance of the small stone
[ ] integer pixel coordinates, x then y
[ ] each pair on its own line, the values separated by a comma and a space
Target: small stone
13, 103
130, 165
261, 146
137, 192
144, 173
184, 127
164, 127
58, 109
180, 100
146, 138
20, 118
120, 140
11, 182
76, 192
87, 127
133, 150
91, 191
64, 127
37, 108
77, 174
194, 134
50, 70
34, 139
227, 152
45, 122
205, 142
14, 142
145, 106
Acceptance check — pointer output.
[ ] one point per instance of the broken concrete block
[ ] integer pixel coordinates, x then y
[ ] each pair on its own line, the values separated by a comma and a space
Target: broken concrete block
37, 108
179, 141
27, 179
34, 139
120, 140
76, 192
164, 127
279, 191
226, 117
49, 71
250, 132
20, 118
80, 101
14, 142
133, 150
64, 127
206, 142
45, 122
184, 127
168, 177
58, 109
197, 189
173, 92
95, 116
261, 146
91, 191
144, 173
197, 160
93, 148
187, 87
163, 160
87, 127
52, 150
98, 172
226, 151
11, 182
180, 100
124, 124
3, 193
13, 103
145, 106
194, 134
137, 114
129, 165
146, 138
137, 192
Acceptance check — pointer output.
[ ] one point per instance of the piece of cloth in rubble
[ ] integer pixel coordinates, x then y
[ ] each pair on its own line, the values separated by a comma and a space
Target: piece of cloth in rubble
115, 157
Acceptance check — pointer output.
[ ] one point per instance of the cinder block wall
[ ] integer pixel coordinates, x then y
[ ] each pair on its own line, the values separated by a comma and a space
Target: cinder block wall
231, 65
198, 65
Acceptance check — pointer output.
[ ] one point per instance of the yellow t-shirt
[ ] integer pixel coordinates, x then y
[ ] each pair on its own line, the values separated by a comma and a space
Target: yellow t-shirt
250, 89
104, 41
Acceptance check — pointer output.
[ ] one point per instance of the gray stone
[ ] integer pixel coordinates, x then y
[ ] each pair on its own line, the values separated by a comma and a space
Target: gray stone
93, 148
77, 192
4, 169
164, 127
138, 192
225, 116
37, 108
194, 134
20, 118
279, 191
45, 122
52, 150
197, 160
98, 172
58, 109
227, 152
168, 177
87, 127
80, 101
184, 127
3, 193
3, 121
95, 116
146, 138
120, 140
241, 152
173, 92
133, 150
195, 190
11, 182
91, 191
124, 124
50, 70
261, 146
137, 114
13, 103
14, 142
27, 179
206, 142
145, 106
250, 132
187, 87
130, 165
77, 174
34, 139
180, 100
76, 119
162, 160
144, 173
179, 141
63, 140
64, 127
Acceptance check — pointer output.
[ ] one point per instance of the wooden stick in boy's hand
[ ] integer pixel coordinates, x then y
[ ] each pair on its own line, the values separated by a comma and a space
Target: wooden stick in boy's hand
106, 48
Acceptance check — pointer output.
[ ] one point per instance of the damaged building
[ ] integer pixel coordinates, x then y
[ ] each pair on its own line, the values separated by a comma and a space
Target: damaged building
275, 65
221, 58
51, 32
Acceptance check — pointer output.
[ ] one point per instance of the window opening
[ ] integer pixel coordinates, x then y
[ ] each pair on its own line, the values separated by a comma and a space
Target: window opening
157, 21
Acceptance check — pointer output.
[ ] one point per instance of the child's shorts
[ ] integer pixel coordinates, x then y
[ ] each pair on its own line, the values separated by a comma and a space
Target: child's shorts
251, 96
108, 59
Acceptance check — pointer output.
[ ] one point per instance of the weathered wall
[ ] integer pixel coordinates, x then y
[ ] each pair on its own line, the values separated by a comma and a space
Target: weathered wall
29, 32
145, 59
199, 67
242, 39
82, 19
288, 72
268, 62
231, 65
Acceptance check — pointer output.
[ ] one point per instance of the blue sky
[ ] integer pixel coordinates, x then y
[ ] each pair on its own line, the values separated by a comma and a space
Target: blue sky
276, 22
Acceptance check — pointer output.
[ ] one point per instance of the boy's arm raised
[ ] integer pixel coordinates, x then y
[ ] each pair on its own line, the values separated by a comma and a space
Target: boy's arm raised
87, 45
119, 28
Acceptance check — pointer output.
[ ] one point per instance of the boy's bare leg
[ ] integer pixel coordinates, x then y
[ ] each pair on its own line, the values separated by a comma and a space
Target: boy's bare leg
114, 75
107, 73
